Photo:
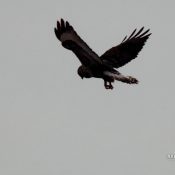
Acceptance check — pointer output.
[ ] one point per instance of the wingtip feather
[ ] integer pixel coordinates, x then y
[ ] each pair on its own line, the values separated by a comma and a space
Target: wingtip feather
144, 33
132, 34
137, 34
124, 39
63, 27
57, 33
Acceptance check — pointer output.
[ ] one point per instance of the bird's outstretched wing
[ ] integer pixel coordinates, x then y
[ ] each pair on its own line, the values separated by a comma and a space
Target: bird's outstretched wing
70, 40
128, 49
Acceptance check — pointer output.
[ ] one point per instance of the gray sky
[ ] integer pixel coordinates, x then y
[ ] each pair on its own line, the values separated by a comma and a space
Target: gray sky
52, 122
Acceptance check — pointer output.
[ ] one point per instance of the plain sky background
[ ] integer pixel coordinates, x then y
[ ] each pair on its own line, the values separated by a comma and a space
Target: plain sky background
54, 123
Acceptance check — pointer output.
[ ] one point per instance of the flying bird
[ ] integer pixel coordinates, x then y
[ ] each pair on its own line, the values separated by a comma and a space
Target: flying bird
104, 66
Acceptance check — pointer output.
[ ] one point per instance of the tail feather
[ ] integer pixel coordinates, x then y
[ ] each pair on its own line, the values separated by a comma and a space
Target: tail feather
122, 78
126, 79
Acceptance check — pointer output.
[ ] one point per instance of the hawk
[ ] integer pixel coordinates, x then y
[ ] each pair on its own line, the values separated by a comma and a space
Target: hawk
104, 66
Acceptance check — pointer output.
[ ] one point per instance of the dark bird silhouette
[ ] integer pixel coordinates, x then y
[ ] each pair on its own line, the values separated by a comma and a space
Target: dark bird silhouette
103, 66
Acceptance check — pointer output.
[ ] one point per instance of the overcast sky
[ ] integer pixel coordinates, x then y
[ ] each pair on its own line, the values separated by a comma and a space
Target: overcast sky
54, 123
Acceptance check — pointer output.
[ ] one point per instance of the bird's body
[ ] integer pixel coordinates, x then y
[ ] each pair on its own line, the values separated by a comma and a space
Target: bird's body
102, 66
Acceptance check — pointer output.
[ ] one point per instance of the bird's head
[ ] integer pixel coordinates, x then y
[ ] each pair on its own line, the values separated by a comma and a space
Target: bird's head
84, 72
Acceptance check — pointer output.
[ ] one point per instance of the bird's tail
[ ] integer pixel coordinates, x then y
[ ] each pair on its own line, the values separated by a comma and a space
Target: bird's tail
118, 76
126, 79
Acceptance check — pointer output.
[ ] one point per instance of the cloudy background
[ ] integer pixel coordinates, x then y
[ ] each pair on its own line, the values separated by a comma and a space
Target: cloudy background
53, 123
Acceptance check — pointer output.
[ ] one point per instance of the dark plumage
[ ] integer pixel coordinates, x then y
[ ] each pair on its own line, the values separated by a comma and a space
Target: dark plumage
102, 66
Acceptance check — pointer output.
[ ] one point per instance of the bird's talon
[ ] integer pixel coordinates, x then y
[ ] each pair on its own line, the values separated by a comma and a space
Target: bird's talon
109, 86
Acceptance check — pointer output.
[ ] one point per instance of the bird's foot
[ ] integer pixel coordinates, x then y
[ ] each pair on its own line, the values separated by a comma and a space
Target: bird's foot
108, 86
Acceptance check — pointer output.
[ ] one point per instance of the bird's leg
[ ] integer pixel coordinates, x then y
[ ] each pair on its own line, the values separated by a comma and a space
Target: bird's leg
110, 85
106, 84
